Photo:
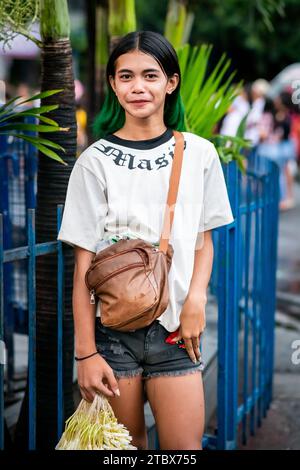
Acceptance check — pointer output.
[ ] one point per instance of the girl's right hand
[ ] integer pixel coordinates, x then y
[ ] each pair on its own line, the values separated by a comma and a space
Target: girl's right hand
96, 376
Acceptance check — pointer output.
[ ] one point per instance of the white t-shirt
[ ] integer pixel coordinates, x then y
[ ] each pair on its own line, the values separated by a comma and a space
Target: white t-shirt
119, 186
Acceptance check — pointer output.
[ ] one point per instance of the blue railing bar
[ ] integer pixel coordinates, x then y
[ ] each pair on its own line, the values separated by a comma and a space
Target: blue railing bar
16, 254
259, 291
251, 315
247, 311
60, 316
240, 251
264, 268
1, 337
31, 279
246, 326
250, 404
227, 325
223, 353
230, 445
223, 362
273, 250
244, 209
268, 305
256, 322
209, 442
254, 175
261, 313
267, 301
232, 305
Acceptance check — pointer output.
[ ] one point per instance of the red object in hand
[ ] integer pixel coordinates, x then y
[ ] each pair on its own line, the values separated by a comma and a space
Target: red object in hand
170, 339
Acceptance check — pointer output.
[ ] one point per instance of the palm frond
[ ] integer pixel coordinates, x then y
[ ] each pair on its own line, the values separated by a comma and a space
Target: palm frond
207, 97
13, 123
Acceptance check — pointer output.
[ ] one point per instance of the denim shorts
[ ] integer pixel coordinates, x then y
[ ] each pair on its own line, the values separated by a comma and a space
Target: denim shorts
143, 352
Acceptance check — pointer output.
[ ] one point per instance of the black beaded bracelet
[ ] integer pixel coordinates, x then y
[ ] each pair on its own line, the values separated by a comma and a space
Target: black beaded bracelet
85, 357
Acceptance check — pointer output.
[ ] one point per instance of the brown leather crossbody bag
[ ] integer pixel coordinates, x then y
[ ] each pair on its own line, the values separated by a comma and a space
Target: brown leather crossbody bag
130, 277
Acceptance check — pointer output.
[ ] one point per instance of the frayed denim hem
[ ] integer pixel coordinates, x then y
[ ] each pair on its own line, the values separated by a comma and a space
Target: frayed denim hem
175, 373
120, 374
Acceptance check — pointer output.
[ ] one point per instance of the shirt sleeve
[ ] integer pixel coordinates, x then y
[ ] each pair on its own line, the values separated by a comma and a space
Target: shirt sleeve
216, 209
84, 210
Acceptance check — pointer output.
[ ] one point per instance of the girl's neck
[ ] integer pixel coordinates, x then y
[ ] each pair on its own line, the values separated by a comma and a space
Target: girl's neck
132, 132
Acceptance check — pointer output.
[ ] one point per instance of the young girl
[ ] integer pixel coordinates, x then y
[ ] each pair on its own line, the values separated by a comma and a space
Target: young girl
118, 187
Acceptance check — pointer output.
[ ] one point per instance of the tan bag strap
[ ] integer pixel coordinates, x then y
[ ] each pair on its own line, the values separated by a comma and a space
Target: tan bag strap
173, 191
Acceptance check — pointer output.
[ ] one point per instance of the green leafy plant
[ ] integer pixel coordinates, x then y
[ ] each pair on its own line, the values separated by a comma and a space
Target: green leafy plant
18, 17
207, 98
12, 124
231, 147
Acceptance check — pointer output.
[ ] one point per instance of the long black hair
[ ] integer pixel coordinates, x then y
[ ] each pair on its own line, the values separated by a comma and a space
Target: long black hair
112, 114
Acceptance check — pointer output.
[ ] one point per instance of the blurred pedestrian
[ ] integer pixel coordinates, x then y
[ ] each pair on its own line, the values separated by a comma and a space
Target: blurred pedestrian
259, 91
238, 110
276, 144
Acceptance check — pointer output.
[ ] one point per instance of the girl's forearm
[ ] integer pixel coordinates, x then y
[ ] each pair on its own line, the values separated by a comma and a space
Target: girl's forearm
84, 315
203, 262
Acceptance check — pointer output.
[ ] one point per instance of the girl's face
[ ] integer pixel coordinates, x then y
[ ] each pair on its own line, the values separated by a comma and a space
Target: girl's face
140, 84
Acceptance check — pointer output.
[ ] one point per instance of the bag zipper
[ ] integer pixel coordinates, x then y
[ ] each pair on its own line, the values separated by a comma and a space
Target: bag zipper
92, 298
113, 256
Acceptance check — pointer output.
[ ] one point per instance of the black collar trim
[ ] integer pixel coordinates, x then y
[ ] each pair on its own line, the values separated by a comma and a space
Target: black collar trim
146, 144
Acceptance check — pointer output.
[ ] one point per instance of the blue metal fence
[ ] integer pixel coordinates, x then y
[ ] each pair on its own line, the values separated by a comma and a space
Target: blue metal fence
30, 253
243, 280
18, 188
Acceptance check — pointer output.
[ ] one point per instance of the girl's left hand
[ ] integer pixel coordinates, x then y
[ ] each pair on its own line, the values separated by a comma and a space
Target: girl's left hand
192, 325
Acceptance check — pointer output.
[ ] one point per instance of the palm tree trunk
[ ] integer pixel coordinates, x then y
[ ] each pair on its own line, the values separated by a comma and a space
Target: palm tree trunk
52, 183
53, 178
